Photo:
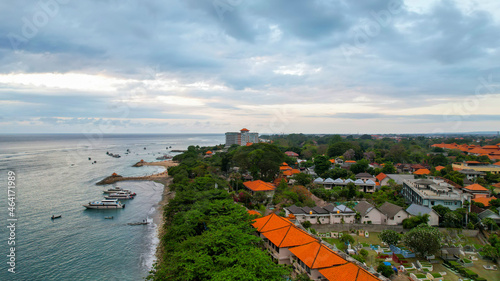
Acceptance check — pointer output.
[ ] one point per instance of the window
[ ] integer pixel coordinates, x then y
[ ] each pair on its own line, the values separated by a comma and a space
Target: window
432, 203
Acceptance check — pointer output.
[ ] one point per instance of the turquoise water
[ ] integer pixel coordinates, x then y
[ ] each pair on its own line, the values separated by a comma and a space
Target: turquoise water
54, 176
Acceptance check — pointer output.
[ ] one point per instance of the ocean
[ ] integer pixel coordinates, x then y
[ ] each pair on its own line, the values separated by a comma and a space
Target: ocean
54, 176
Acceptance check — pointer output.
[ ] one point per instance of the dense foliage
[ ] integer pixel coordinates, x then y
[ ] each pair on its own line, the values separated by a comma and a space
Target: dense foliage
390, 237
207, 236
424, 240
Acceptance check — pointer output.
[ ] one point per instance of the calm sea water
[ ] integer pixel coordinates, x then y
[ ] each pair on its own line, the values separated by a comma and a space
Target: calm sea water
54, 176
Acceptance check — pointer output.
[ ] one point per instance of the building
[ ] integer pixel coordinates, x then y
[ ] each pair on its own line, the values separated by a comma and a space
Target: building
366, 186
288, 244
260, 186
431, 192
476, 166
329, 214
477, 190
394, 213
370, 214
472, 175
244, 137
418, 210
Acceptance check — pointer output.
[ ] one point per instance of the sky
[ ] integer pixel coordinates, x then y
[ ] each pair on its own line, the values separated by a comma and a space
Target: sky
272, 66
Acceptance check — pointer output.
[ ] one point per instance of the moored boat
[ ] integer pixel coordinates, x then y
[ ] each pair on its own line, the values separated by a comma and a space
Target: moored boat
119, 195
105, 204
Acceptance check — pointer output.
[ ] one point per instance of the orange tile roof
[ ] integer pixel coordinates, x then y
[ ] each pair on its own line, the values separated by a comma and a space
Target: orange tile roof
422, 172
209, 152
478, 150
484, 200
350, 161
291, 172
245, 129
439, 168
253, 212
249, 144
284, 164
278, 180
259, 185
332, 161
381, 176
270, 222
288, 236
472, 162
285, 168
316, 255
476, 187
347, 272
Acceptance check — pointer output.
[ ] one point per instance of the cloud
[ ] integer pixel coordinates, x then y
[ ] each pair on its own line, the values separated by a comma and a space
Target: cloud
238, 62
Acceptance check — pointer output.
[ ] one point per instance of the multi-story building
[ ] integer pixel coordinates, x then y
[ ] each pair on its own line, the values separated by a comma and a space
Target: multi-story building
244, 137
431, 192
477, 166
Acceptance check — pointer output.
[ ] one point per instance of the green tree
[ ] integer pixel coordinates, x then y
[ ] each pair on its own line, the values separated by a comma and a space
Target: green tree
261, 159
351, 190
423, 240
385, 270
390, 237
347, 238
321, 165
415, 221
302, 179
389, 168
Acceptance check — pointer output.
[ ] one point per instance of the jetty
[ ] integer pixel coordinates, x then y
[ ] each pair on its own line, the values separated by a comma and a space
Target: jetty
161, 176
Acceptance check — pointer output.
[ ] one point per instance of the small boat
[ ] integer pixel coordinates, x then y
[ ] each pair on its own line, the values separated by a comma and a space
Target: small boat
105, 204
119, 195
109, 218
116, 189
55, 217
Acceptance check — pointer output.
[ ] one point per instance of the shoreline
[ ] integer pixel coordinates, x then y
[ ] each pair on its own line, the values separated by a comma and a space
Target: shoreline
160, 177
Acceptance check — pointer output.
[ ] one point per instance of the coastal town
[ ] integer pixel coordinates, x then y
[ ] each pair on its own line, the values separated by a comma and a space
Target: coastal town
357, 213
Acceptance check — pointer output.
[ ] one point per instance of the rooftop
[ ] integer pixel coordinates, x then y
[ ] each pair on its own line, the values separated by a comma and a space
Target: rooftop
316, 255
259, 185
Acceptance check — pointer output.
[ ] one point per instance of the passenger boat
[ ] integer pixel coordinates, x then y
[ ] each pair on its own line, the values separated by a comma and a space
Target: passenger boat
105, 204
116, 189
119, 195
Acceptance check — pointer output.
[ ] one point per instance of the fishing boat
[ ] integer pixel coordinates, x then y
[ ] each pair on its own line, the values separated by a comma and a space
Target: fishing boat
119, 195
105, 204
55, 217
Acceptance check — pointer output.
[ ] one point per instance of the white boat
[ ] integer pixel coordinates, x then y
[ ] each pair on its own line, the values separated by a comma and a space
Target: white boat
105, 204
116, 189
119, 195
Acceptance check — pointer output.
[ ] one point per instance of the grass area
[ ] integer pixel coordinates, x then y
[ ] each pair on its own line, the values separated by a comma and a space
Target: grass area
473, 241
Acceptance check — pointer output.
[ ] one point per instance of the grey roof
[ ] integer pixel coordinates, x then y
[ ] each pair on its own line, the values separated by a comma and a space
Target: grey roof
471, 172
339, 180
308, 210
348, 181
329, 208
399, 178
344, 209
417, 210
320, 210
363, 175
489, 214
328, 180
295, 210
369, 182
363, 207
318, 180
425, 182
359, 181
390, 209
